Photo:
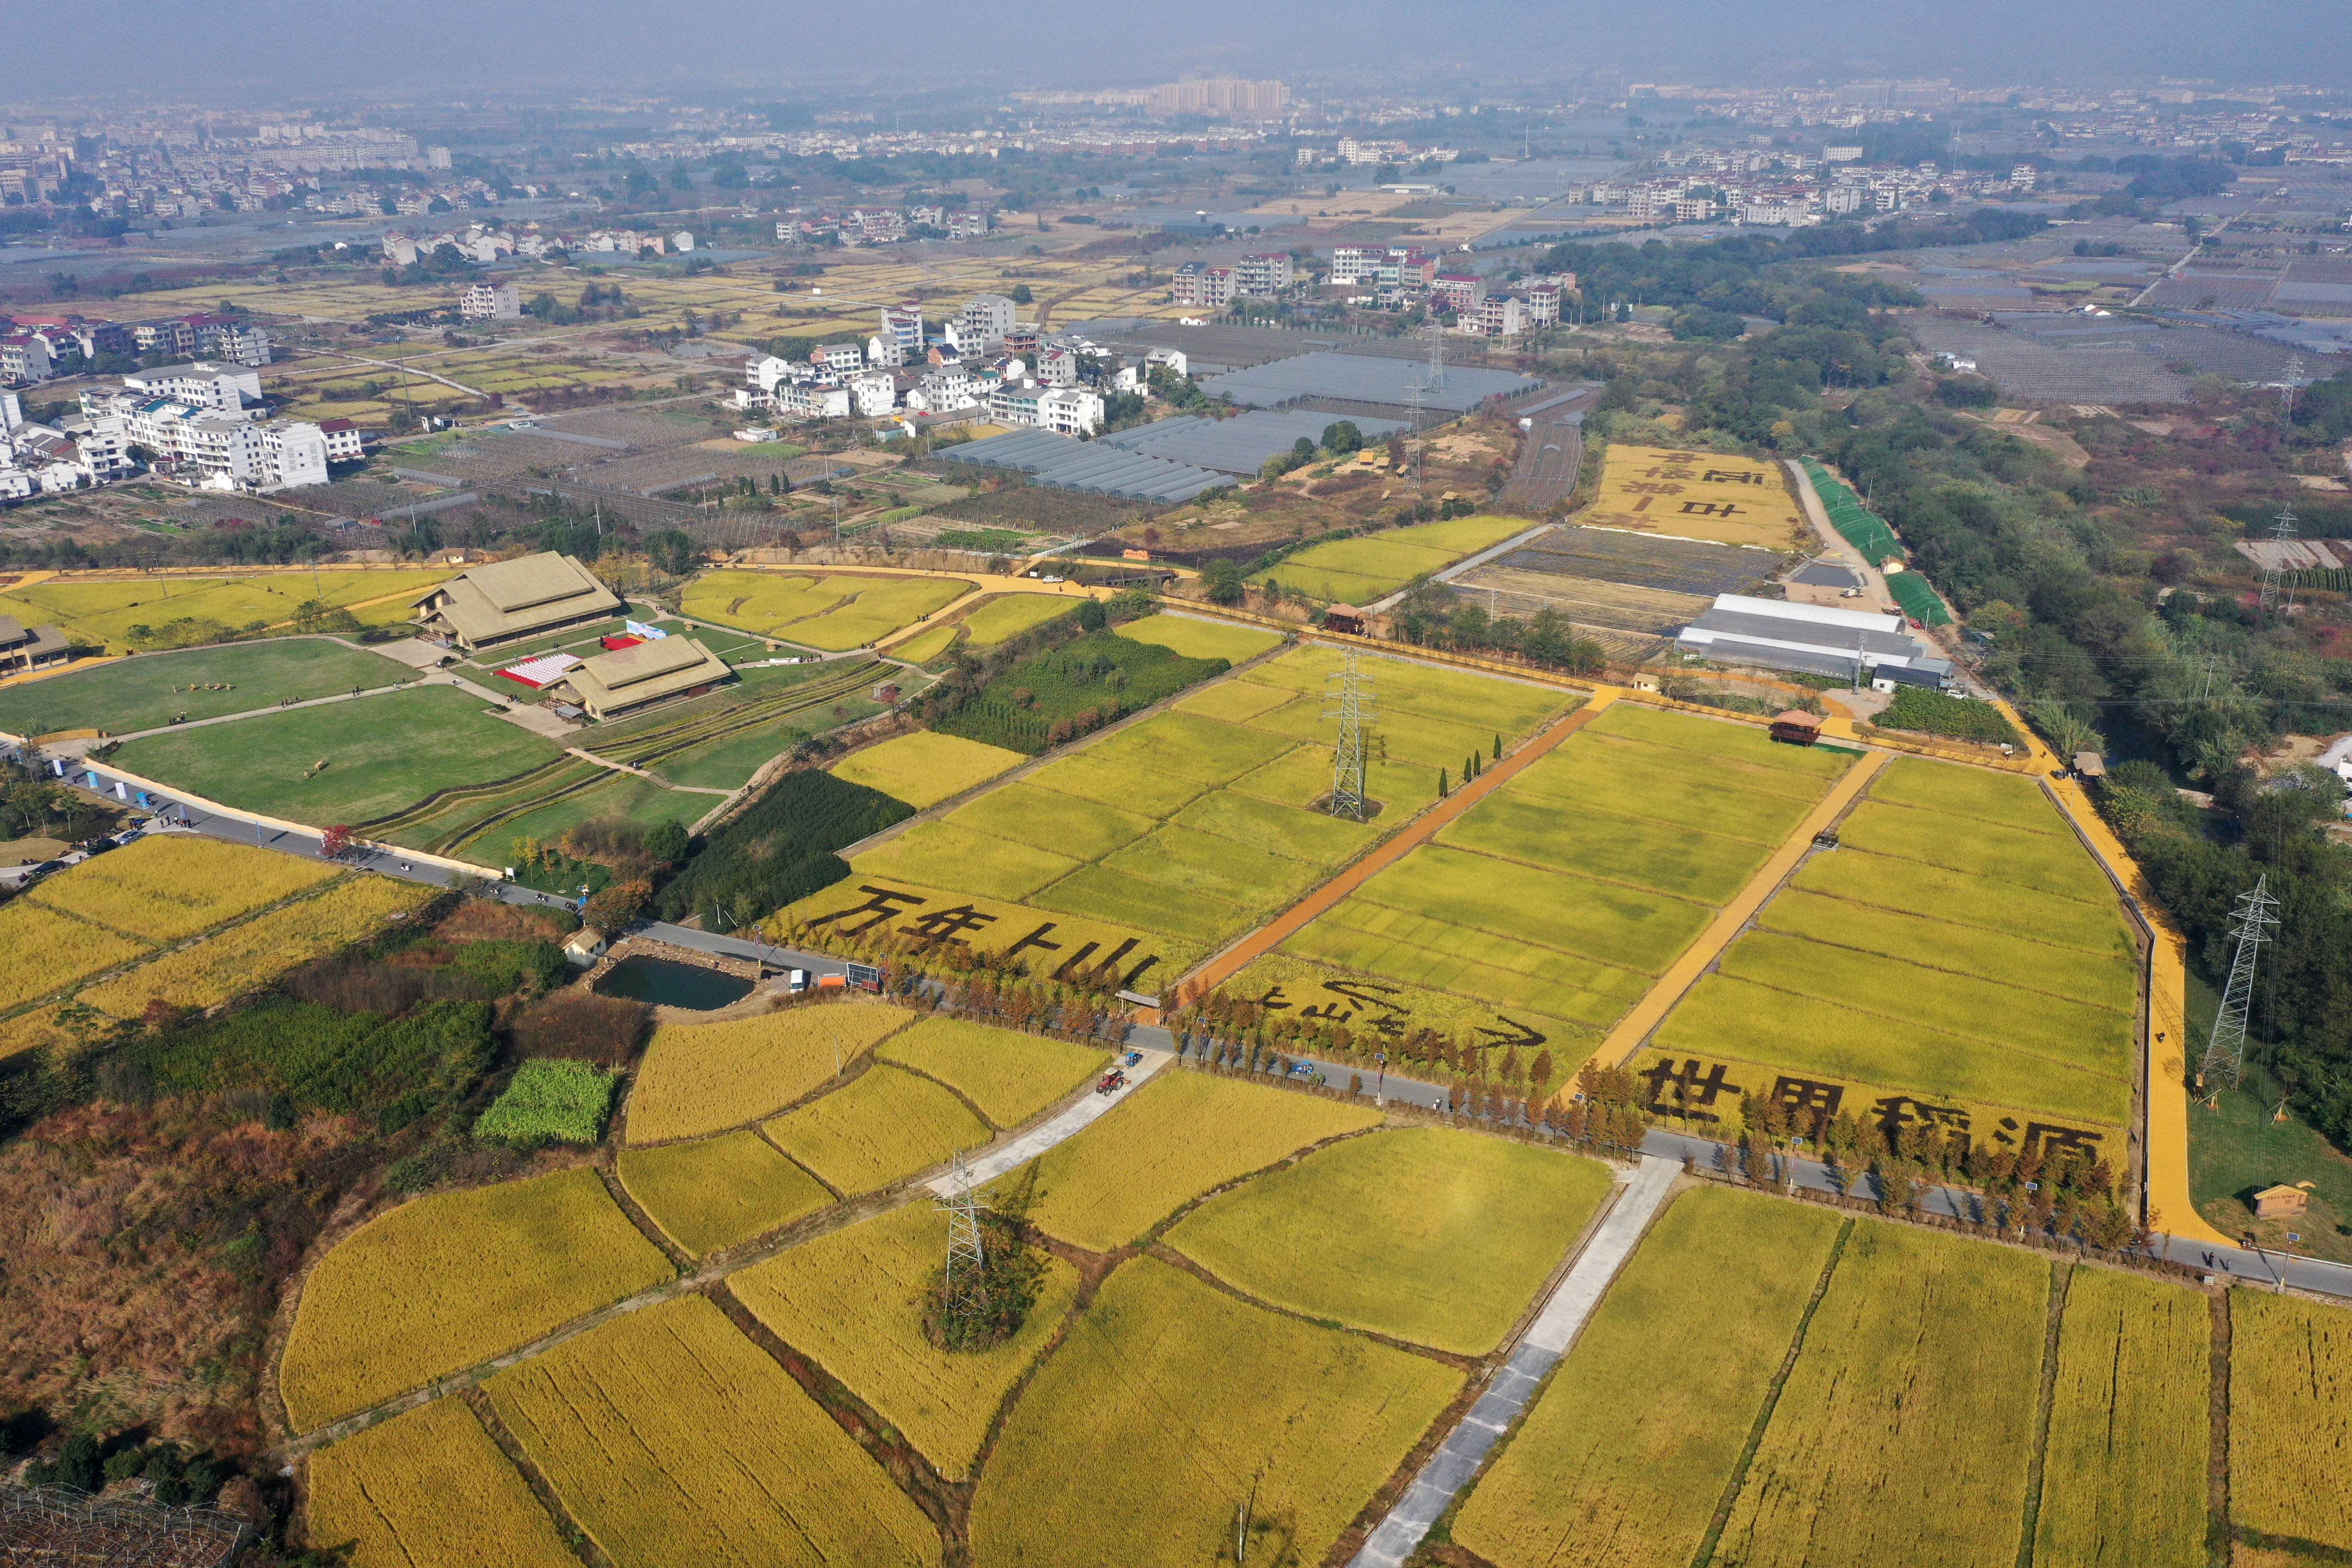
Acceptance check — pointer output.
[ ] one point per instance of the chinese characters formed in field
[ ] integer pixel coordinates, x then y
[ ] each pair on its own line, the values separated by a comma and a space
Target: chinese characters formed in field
966, 923
1703, 1093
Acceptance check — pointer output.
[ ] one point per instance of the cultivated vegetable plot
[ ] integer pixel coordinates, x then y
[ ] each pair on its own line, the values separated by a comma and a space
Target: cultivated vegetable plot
719, 1190
1011, 1076
672, 1439
1593, 1479
1316, 1421
1960, 950
451, 1280
1425, 1254
699, 1079
1180, 1135
854, 1300
2290, 1417
429, 1486
2124, 1467
1908, 1416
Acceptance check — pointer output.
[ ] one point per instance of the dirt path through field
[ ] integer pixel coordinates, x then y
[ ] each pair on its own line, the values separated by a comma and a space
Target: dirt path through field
1684, 972
1224, 965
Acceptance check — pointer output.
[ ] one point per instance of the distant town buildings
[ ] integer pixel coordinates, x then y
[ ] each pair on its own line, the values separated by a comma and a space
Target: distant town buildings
1219, 99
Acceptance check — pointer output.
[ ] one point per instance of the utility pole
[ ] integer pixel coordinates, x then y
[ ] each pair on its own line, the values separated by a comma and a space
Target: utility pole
2225, 1050
1348, 757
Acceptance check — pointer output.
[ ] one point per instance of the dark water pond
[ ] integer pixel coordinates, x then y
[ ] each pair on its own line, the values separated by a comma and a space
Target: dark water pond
665, 983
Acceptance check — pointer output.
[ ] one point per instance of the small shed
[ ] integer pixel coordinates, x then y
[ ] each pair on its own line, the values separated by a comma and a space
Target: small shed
1796, 728
2090, 765
1344, 618
2281, 1202
585, 946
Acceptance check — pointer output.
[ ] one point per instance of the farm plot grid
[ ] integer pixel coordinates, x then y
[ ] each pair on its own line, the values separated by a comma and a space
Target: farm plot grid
1193, 825
1556, 901
1959, 962
1908, 1411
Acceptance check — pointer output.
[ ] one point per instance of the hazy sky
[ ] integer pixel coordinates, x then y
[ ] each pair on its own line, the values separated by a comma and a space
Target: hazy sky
445, 46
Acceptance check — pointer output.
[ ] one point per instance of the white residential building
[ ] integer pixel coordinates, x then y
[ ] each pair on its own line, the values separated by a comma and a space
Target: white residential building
1263, 275
902, 334
987, 320
500, 302
1501, 316
1542, 305
800, 401
1058, 367
25, 357
1070, 410
682, 241
837, 356
875, 392
1207, 287
206, 386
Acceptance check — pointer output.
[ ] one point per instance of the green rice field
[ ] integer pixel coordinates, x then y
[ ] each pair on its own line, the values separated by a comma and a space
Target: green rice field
1957, 946
1358, 571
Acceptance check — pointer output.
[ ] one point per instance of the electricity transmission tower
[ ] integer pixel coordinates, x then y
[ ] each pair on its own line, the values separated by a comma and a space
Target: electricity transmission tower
2225, 1051
963, 1289
2283, 531
1353, 707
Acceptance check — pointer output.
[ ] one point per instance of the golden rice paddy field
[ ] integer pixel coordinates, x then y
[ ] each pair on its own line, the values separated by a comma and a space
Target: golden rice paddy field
1698, 495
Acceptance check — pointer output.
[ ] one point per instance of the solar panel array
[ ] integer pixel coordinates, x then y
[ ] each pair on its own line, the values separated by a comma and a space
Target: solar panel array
1094, 467
1364, 378
1240, 444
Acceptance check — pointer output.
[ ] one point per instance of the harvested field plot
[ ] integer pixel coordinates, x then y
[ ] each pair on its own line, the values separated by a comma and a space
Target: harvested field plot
382, 754
168, 886
1909, 1417
2290, 1417
1322, 1420
925, 767
1181, 1134
236, 961
1921, 960
883, 1124
1591, 1481
41, 951
429, 1486
2123, 1468
1198, 638
151, 690
1698, 495
720, 1191
451, 1280
1010, 1075
1612, 614
1678, 566
672, 1439
1357, 571
854, 1301
1448, 1237
699, 1079
832, 612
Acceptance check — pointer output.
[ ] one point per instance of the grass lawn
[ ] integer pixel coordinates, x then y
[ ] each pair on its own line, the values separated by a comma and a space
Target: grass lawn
2237, 1150
626, 798
729, 764
1450, 1232
139, 693
382, 756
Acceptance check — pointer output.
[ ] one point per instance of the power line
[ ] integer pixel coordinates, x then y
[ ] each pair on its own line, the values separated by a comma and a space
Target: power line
2225, 1049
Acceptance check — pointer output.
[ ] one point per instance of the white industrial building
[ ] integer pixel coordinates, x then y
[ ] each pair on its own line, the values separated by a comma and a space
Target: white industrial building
1815, 639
